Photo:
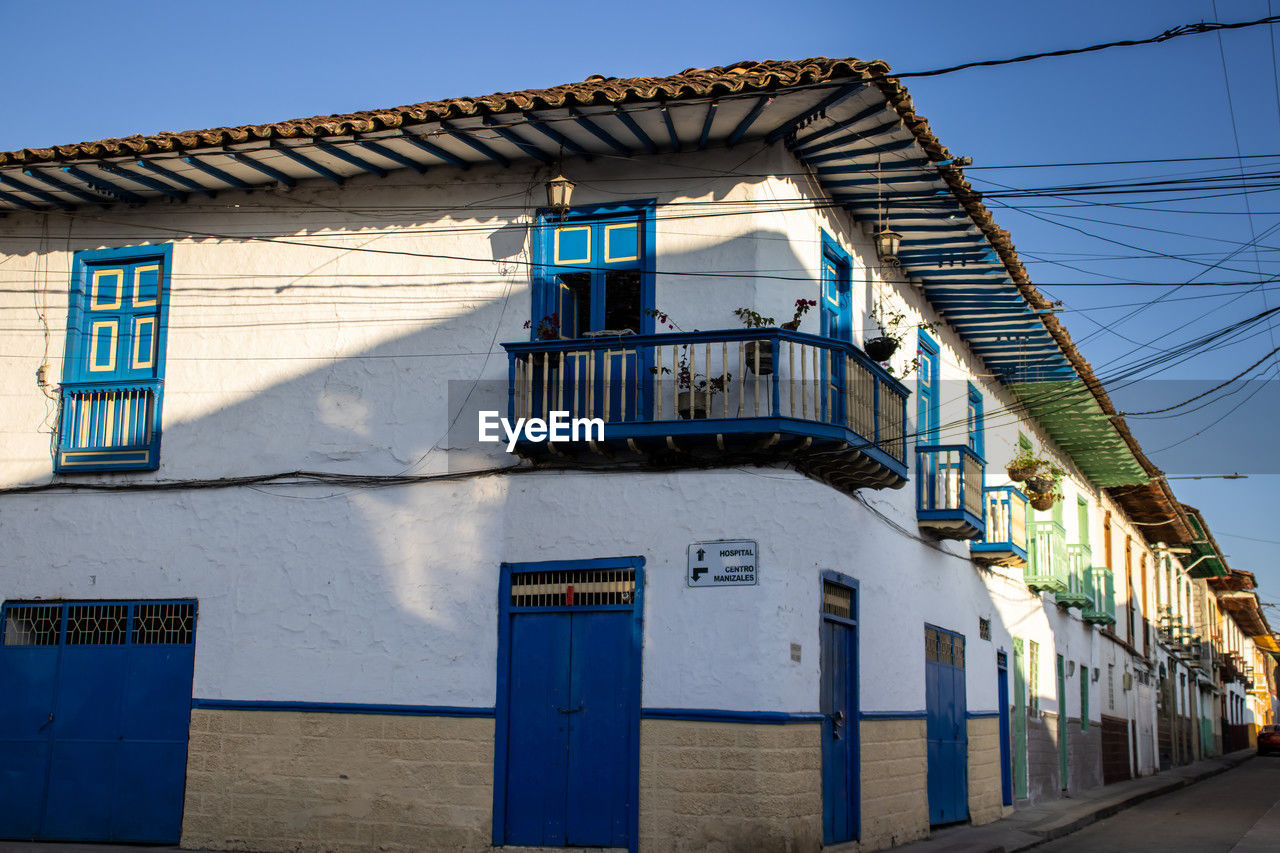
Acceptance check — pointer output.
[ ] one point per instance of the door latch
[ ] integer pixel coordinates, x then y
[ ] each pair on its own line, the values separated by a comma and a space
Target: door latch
46, 723
569, 710
837, 720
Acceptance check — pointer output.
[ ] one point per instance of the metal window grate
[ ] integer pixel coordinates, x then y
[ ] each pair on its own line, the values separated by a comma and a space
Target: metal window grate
943, 646
984, 628
33, 625
163, 624
837, 600
97, 624
575, 588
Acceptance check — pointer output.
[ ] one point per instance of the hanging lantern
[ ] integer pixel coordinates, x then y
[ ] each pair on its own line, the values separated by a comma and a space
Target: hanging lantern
559, 191
887, 243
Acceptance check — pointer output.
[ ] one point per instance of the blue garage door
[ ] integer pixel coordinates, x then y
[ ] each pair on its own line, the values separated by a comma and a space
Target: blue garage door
94, 719
569, 705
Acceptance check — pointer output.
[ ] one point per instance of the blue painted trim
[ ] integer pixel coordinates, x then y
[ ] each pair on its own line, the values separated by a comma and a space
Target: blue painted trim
270, 171
850, 138
790, 126
346, 156
145, 180
435, 150
706, 124
306, 162
671, 128
560, 139
982, 715
215, 172
63, 186
598, 132
183, 180
100, 184
475, 144
517, 140
712, 715
636, 130
863, 115
18, 202
48, 198
749, 119
392, 155
892, 715
340, 708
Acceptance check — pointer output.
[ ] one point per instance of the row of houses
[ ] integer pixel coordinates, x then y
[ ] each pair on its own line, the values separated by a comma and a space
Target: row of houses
274, 577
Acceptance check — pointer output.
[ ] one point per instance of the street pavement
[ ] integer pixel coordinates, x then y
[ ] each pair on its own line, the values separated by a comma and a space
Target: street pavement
1235, 812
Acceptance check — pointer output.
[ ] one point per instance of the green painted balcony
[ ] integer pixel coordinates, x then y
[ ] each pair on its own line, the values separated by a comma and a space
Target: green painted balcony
1103, 609
1079, 591
1004, 543
1048, 569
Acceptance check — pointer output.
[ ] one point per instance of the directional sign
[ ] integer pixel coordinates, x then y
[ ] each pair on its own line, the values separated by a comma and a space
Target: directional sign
724, 562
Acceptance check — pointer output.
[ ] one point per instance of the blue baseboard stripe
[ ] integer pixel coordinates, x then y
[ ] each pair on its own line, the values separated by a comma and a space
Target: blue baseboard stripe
891, 715
981, 715
714, 715
341, 708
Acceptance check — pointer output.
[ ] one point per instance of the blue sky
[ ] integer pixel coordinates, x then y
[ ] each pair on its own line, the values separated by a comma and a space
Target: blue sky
76, 72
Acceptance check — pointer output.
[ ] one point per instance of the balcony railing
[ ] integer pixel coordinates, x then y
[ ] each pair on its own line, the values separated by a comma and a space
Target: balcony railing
949, 500
1047, 569
1079, 591
109, 426
1103, 609
719, 396
1004, 542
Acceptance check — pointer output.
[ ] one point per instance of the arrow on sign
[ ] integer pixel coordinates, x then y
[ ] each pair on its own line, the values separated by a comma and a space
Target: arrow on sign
698, 571
701, 554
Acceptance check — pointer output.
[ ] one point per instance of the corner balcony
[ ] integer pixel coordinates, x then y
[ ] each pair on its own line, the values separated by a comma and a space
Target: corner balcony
716, 398
109, 426
949, 501
1103, 609
1079, 591
1004, 540
1048, 569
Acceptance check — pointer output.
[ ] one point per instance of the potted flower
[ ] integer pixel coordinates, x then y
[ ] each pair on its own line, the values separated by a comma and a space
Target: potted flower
1044, 500
759, 354
548, 328
1023, 466
694, 388
893, 326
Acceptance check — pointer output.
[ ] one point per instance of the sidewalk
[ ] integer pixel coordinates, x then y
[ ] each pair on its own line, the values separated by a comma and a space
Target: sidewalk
1037, 824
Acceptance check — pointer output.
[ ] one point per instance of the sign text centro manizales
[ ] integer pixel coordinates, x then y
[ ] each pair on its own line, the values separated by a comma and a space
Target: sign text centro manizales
724, 562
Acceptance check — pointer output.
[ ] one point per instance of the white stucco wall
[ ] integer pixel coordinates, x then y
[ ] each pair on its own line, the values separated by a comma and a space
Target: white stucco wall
318, 329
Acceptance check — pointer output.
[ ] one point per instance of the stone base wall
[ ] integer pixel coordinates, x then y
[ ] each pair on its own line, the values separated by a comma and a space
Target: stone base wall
1084, 757
895, 775
300, 782
1043, 773
985, 797
729, 787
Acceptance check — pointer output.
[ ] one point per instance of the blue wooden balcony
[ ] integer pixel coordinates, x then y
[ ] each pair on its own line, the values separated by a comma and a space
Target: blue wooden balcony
109, 426
949, 499
1004, 540
1079, 591
717, 398
1103, 609
1048, 569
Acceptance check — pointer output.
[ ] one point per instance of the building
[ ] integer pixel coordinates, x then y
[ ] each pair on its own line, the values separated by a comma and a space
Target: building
787, 598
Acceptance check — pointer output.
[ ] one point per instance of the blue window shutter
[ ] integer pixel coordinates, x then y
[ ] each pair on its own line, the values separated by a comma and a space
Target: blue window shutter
114, 367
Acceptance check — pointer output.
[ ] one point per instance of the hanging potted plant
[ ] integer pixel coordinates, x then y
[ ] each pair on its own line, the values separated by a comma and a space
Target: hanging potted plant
1044, 500
893, 326
1024, 466
759, 354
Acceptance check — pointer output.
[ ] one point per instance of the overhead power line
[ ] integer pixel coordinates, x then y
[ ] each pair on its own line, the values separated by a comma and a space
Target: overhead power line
1176, 32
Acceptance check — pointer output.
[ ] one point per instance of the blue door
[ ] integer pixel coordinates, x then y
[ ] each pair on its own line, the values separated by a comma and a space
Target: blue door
93, 729
1006, 760
567, 762
839, 706
945, 726
837, 323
